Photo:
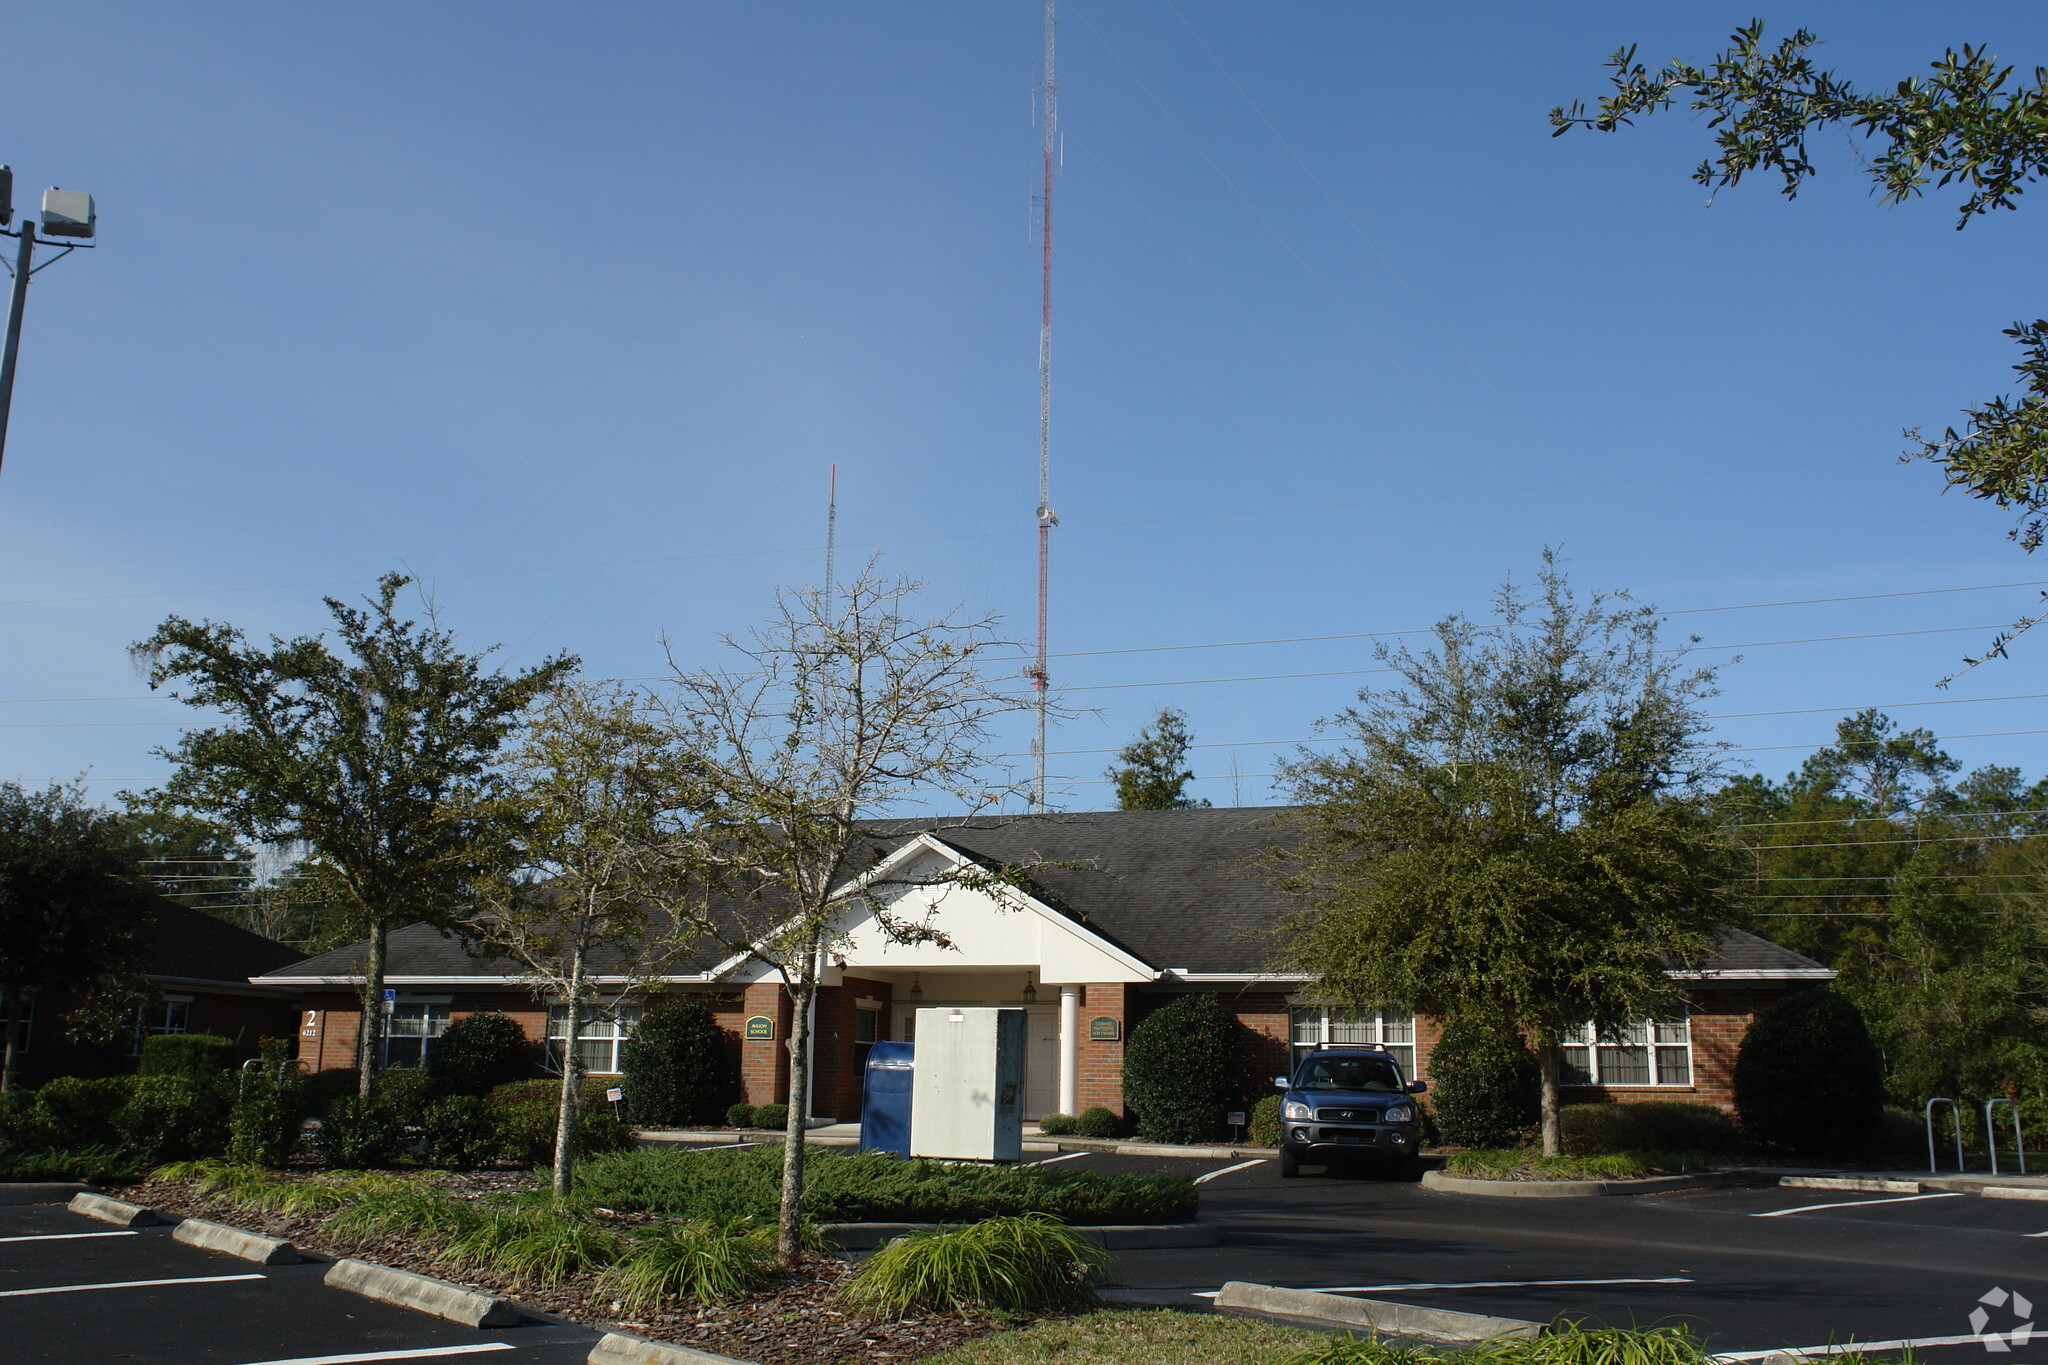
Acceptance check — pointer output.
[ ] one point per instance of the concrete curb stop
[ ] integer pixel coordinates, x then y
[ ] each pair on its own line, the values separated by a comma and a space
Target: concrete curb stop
113, 1211
235, 1242
1873, 1184
621, 1348
1405, 1318
2014, 1192
1111, 1236
438, 1297
1582, 1189
40, 1191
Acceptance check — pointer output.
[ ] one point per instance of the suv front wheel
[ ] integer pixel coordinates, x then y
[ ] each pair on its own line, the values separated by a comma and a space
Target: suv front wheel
1290, 1162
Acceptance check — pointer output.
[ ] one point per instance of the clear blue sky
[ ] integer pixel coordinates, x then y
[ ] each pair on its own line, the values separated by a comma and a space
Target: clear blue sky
568, 308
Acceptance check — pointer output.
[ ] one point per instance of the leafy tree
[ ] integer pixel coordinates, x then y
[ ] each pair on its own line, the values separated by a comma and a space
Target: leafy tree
67, 921
1966, 123
1181, 1069
184, 857
1154, 774
845, 708
1484, 1089
1518, 828
358, 754
1807, 1077
585, 796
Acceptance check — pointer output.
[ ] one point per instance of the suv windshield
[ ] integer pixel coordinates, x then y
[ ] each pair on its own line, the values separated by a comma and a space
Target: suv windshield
1349, 1073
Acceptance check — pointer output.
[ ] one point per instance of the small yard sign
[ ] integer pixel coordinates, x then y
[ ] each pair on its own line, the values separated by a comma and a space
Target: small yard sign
615, 1094
1235, 1118
1104, 1029
760, 1026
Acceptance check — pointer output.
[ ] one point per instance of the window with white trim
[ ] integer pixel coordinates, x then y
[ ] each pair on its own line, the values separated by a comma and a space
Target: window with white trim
1321, 1025
18, 1010
1655, 1052
409, 1030
169, 1015
604, 1030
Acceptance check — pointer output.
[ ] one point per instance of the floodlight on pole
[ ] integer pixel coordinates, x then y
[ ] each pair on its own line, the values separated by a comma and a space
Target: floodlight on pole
67, 214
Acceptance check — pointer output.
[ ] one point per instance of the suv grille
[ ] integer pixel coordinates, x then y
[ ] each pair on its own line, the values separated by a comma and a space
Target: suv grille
1348, 1115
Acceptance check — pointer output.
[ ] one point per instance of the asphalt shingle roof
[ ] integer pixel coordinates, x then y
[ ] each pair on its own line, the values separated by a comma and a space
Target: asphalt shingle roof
1178, 889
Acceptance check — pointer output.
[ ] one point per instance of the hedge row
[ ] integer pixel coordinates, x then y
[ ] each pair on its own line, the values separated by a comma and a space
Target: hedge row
875, 1187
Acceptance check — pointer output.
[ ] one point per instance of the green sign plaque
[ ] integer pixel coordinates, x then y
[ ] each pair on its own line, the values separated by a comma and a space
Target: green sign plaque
760, 1026
1104, 1029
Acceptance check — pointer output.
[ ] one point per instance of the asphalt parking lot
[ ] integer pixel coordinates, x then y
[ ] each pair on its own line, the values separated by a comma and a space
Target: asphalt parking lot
75, 1290
1751, 1269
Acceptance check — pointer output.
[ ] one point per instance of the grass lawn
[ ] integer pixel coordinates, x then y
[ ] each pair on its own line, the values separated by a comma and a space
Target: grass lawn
1144, 1337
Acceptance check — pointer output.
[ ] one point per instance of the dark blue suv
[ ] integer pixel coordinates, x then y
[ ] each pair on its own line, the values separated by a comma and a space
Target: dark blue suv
1349, 1101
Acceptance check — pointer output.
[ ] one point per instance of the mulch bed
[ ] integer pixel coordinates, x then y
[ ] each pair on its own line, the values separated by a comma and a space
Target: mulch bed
794, 1320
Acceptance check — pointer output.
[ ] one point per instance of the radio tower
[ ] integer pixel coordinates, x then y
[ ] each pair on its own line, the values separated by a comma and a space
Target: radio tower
831, 534
1047, 518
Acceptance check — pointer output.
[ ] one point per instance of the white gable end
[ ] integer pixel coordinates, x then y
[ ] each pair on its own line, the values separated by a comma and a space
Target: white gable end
984, 931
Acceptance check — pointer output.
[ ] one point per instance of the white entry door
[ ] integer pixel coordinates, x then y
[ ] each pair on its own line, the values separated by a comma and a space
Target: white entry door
1041, 1062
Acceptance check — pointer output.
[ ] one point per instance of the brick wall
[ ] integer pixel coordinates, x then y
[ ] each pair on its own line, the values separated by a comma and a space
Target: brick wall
245, 1019
1100, 1076
764, 1062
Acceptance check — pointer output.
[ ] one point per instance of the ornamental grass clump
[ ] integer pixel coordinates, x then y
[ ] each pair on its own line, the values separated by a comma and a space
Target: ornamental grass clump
393, 1209
691, 1262
1005, 1265
536, 1243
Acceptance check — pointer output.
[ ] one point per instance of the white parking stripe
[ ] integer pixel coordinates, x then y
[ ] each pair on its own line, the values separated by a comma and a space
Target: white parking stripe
1467, 1284
1858, 1203
121, 1284
1843, 1348
420, 1354
1255, 1161
68, 1236
1063, 1156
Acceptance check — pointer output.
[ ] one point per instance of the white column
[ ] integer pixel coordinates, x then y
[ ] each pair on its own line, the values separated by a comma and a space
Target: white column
1070, 1048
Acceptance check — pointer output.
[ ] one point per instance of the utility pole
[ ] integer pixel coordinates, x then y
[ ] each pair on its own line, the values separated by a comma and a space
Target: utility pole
66, 213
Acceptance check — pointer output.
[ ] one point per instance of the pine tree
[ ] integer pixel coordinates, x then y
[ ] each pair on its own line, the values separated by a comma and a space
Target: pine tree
1154, 774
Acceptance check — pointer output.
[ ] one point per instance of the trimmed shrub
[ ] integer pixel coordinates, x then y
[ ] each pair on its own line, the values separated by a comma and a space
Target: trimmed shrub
774, 1116
740, 1115
679, 1066
1808, 1078
461, 1132
1057, 1125
77, 1112
741, 1183
263, 1127
23, 1124
1007, 1265
323, 1088
171, 1118
196, 1055
476, 1054
1484, 1085
1265, 1129
547, 1090
1181, 1069
1648, 1126
406, 1092
526, 1133
358, 1134
1096, 1123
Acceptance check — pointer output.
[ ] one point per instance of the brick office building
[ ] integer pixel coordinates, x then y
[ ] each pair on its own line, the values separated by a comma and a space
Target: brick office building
198, 980
1124, 910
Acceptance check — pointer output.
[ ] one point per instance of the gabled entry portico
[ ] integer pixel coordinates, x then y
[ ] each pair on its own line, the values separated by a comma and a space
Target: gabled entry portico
990, 946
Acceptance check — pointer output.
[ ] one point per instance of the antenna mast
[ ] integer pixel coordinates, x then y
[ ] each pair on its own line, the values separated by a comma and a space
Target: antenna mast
831, 534
1047, 518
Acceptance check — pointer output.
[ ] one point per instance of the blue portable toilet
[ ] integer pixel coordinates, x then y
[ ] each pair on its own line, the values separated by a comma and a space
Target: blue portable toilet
885, 1099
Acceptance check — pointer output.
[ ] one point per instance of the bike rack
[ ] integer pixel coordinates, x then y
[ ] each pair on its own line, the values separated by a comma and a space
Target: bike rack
1955, 1111
1991, 1133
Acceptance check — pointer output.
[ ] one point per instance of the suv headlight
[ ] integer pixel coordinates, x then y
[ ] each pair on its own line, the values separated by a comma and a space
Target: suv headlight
1295, 1109
1400, 1113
